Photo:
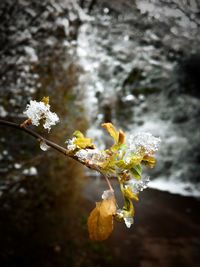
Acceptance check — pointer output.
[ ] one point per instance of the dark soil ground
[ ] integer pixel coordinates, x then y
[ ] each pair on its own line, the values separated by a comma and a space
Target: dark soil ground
166, 233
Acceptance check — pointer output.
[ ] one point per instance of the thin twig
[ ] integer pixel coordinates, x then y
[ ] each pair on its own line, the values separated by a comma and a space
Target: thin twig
35, 135
55, 146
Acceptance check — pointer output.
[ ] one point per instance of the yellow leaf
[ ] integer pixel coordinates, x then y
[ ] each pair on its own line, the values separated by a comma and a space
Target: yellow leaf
111, 130
127, 192
84, 143
121, 137
78, 134
100, 221
45, 100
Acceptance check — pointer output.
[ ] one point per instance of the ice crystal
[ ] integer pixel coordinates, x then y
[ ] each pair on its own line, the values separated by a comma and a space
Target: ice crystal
44, 146
107, 194
137, 186
94, 155
70, 144
39, 110
146, 141
128, 221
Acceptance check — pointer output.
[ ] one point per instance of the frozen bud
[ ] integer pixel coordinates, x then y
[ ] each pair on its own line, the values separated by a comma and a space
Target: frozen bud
107, 194
37, 111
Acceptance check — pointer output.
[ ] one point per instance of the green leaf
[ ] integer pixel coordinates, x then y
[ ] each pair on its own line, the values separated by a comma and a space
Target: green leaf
136, 172
81, 141
78, 134
121, 164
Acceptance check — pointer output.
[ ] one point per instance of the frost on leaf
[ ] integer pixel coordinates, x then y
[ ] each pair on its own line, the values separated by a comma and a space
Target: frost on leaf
100, 221
79, 142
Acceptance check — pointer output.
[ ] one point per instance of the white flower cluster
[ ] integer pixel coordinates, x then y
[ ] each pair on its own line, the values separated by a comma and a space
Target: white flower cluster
146, 141
39, 110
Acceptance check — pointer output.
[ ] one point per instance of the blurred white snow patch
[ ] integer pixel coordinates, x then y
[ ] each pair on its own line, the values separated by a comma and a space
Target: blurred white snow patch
3, 112
17, 166
31, 53
31, 171
64, 23
22, 190
83, 16
176, 187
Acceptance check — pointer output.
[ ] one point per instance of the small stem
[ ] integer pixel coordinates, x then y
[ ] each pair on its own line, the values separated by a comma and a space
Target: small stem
109, 184
107, 180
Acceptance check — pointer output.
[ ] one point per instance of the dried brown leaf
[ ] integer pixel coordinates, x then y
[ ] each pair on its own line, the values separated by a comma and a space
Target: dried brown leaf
100, 221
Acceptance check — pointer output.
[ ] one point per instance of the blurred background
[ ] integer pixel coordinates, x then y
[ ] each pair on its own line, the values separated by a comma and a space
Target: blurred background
135, 63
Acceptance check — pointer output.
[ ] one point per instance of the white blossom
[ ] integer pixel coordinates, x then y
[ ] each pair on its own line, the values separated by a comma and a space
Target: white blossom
39, 110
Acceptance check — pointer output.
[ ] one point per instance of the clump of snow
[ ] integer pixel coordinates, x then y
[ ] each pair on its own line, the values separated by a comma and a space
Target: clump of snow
70, 144
146, 141
107, 194
128, 221
31, 53
137, 186
94, 155
127, 218
3, 112
39, 110
17, 166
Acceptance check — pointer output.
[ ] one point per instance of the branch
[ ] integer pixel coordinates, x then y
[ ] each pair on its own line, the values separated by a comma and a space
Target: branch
37, 136
55, 146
